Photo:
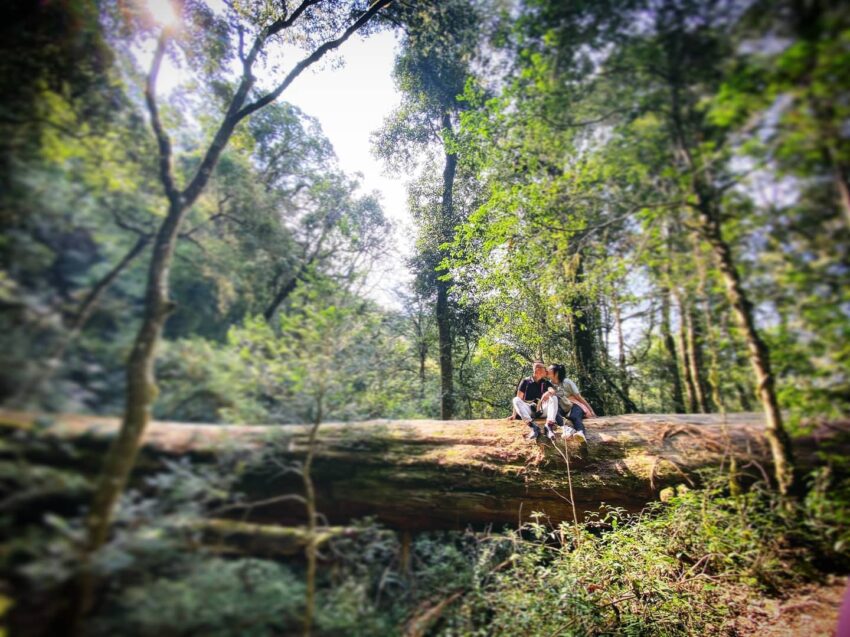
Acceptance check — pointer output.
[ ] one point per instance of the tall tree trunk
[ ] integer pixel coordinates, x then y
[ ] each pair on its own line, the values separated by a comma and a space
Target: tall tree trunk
585, 345
282, 294
423, 357
141, 388
672, 358
703, 299
777, 437
444, 325
706, 204
840, 174
690, 391
695, 358
621, 353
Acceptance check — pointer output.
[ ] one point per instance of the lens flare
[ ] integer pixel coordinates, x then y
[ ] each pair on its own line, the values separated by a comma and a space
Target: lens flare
163, 12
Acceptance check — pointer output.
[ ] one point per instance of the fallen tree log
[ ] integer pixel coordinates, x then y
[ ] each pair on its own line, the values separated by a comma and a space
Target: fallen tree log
232, 537
424, 474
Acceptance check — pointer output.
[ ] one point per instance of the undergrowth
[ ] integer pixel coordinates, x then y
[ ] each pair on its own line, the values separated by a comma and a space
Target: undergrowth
688, 566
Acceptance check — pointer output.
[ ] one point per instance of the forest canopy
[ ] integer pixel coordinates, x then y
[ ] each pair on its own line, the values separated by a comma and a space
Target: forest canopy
564, 226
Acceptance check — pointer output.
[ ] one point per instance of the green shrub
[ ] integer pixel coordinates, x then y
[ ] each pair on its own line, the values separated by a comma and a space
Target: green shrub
218, 598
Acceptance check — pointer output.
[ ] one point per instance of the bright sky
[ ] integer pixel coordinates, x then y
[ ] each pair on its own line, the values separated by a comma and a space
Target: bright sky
351, 103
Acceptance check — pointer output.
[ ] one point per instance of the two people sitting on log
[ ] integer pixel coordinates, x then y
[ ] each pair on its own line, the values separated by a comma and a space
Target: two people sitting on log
561, 399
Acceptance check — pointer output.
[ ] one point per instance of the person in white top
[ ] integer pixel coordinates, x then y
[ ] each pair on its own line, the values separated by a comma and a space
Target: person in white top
564, 399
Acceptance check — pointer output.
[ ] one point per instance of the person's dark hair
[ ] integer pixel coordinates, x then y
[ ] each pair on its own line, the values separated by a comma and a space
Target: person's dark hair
560, 371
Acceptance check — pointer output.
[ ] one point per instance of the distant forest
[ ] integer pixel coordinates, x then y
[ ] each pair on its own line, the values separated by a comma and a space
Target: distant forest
654, 193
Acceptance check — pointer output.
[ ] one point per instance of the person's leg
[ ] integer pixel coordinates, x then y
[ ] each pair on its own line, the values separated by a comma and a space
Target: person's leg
576, 416
550, 410
524, 412
522, 409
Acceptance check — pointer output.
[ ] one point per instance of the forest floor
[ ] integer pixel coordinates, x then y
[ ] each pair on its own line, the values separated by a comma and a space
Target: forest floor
811, 611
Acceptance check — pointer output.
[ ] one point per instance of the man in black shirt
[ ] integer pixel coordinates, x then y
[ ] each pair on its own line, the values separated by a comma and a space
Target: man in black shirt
529, 391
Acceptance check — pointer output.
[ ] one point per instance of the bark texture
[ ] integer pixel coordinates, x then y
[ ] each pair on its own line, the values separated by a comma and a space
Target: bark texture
431, 474
444, 325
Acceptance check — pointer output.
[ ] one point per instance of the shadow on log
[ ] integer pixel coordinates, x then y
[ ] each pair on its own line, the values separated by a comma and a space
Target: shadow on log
418, 475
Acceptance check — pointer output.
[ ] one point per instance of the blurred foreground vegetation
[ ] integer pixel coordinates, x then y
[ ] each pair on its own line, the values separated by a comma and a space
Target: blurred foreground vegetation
689, 565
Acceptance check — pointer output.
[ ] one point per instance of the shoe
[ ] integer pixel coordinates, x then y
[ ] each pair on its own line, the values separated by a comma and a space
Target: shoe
568, 432
580, 434
549, 433
535, 432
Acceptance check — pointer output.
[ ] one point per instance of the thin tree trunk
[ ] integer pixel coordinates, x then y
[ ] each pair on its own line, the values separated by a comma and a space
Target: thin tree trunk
311, 549
745, 394
282, 294
628, 404
690, 391
713, 381
695, 358
444, 327
141, 388
79, 321
840, 174
621, 354
777, 437
670, 346
423, 357
444, 335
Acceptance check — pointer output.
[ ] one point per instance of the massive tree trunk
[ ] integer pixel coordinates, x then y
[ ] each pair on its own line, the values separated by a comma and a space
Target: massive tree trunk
441, 475
444, 320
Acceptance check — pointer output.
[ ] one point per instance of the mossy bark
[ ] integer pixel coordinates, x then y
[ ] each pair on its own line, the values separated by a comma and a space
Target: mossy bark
426, 474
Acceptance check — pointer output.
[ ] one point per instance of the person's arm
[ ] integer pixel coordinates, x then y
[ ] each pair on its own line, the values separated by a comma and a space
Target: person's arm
547, 395
578, 398
520, 391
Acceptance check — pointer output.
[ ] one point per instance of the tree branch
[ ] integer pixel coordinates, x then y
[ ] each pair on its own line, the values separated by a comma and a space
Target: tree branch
312, 58
236, 113
162, 140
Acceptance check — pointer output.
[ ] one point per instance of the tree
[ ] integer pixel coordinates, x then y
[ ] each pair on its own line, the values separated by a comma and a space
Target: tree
431, 71
322, 25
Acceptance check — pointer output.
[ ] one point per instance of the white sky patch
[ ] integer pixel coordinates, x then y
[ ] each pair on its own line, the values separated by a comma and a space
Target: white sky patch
163, 12
351, 102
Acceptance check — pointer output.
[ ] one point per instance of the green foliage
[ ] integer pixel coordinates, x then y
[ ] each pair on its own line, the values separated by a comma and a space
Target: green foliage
330, 347
215, 597
688, 565
682, 568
